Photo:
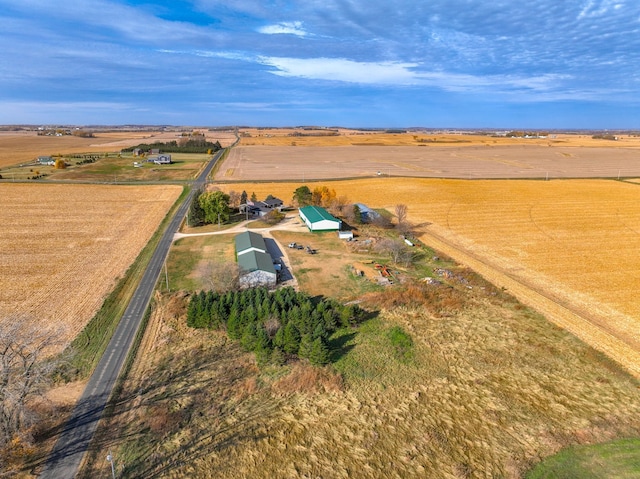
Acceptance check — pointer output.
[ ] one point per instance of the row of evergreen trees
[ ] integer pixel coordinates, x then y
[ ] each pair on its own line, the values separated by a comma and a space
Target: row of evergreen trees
276, 324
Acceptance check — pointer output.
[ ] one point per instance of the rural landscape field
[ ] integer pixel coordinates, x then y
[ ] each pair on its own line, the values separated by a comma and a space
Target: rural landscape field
526, 347
65, 246
271, 156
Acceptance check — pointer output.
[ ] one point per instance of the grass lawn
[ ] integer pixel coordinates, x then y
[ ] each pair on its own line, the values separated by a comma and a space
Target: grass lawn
612, 460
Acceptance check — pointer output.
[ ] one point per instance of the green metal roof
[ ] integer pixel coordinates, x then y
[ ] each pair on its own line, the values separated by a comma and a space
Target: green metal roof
316, 213
248, 240
255, 260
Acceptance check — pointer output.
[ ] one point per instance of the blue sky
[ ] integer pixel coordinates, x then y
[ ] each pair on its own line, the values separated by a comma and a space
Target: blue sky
358, 63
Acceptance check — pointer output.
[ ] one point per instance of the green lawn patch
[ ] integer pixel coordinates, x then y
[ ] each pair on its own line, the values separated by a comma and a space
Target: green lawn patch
613, 460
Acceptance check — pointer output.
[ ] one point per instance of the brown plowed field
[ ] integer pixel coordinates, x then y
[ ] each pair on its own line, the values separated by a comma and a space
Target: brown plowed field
64, 246
567, 247
475, 161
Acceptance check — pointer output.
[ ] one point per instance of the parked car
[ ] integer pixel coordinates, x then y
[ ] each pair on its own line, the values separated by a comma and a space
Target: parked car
292, 245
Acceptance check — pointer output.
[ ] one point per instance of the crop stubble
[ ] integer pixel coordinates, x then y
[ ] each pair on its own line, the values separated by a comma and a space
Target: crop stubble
566, 247
64, 246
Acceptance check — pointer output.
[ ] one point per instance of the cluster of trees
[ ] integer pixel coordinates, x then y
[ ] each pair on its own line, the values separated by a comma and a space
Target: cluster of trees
274, 325
191, 145
209, 207
320, 196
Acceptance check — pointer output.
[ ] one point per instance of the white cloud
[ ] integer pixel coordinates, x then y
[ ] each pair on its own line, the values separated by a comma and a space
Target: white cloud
404, 74
286, 28
594, 8
340, 69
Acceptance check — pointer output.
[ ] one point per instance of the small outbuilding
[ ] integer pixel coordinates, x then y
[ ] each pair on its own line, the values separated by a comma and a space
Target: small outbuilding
319, 219
367, 215
345, 235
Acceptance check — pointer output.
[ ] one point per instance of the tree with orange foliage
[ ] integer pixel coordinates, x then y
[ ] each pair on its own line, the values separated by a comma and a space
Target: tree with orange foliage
322, 196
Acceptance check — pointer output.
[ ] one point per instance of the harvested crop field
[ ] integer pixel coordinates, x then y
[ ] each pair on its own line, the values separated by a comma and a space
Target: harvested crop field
566, 247
64, 246
475, 161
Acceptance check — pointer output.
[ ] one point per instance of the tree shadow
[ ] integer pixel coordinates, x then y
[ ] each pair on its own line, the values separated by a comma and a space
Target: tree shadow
341, 345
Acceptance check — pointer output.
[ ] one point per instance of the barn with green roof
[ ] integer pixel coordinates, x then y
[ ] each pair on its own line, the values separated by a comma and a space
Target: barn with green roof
254, 261
318, 219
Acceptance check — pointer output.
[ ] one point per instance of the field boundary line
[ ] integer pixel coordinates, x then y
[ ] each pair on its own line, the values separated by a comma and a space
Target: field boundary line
559, 314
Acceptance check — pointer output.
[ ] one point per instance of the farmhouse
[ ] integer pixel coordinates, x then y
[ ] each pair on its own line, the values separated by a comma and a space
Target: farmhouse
161, 159
46, 160
256, 264
318, 219
262, 208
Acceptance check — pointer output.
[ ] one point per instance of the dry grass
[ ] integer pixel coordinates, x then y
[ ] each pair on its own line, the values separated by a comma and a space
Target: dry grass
573, 241
490, 390
64, 246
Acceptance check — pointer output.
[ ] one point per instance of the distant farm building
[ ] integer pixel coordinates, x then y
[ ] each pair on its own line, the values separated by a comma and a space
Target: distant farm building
256, 264
367, 215
319, 219
162, 159
46, 160
137, 152
345, 235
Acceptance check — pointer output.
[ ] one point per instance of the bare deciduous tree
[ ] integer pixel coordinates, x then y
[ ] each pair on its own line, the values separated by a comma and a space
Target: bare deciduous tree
234, 199
401, 213
25, 371
220, 276
397, 251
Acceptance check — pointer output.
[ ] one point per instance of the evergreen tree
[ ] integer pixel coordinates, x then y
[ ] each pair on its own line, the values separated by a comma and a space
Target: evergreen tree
243, 197
234, 325
305, 349
277, 357
249, 338
196, 213
291, 339
319, 352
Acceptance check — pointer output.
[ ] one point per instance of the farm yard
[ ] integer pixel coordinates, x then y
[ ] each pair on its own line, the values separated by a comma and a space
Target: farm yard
65, 246
574, 241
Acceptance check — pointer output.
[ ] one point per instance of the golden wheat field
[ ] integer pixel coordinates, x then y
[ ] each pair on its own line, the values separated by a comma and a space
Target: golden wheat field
567, 247
64, 246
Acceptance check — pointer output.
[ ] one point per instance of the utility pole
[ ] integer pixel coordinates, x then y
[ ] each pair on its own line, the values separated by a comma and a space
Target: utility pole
166, 274
113, 467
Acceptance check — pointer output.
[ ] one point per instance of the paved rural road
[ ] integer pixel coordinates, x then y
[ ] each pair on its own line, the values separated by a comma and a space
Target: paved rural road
67, 454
